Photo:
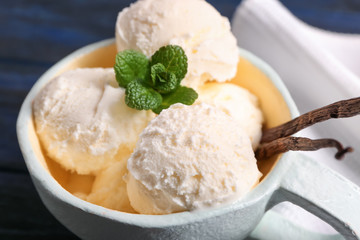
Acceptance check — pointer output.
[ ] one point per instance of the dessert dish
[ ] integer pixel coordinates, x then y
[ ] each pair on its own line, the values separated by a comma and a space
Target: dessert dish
87, 119
85, 122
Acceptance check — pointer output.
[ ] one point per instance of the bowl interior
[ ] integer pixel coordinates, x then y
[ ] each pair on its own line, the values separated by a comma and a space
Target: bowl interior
272, 103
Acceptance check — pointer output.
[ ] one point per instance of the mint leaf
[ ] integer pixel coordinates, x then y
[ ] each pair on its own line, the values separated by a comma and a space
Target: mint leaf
141, 97
174, 60
182, 94
163, 81
129, 66
156, 72
154, 84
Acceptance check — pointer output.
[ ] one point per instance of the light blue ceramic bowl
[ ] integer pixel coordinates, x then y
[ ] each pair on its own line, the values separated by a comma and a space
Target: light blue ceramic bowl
294, 178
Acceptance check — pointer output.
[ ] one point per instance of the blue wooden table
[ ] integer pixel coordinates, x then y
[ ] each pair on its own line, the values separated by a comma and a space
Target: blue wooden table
34, 35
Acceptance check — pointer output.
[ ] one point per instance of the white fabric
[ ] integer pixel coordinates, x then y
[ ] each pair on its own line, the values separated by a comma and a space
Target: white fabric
319, 68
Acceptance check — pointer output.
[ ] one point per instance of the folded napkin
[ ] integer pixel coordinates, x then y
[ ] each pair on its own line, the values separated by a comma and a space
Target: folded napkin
319, 68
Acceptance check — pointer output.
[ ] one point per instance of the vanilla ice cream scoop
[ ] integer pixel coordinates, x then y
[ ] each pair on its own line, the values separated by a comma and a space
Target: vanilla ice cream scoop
238, 103
194, 25
82, 120
190, 157
109, 188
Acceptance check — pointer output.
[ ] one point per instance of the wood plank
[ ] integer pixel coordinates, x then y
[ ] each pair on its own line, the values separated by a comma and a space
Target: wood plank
23, 215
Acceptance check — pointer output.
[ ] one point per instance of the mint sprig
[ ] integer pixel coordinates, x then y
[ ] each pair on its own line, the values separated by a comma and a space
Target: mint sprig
141, 97
129, 66
173, 58
154, 83
182, 95
163, 81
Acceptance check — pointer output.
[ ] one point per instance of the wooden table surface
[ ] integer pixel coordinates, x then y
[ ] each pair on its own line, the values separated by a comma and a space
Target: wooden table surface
35, 34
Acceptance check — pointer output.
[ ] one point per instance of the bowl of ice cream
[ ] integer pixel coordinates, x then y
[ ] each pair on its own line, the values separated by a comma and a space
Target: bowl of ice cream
79, 174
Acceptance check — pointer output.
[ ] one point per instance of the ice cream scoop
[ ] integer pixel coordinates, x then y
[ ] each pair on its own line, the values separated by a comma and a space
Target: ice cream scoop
83, 122
194, 25
190, 157
109, 188
238, 103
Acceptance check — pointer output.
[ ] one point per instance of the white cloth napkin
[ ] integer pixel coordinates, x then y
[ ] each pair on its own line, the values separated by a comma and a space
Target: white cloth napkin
319, 68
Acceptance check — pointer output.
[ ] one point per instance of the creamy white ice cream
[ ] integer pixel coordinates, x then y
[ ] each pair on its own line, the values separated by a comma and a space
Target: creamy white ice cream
194, 25
83, 122
238, 103
190, 157
109, 188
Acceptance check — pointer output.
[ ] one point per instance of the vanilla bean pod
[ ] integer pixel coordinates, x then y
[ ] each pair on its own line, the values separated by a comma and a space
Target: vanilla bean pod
285, 144
341, 109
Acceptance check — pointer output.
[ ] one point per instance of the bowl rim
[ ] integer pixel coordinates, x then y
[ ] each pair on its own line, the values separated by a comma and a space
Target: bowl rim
48, 183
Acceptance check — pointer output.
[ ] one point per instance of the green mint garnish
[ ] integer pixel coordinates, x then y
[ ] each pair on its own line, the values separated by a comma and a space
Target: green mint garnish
130, 65
154, 84
173, 58
156, 72
141, 97
163, 81
182, 94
